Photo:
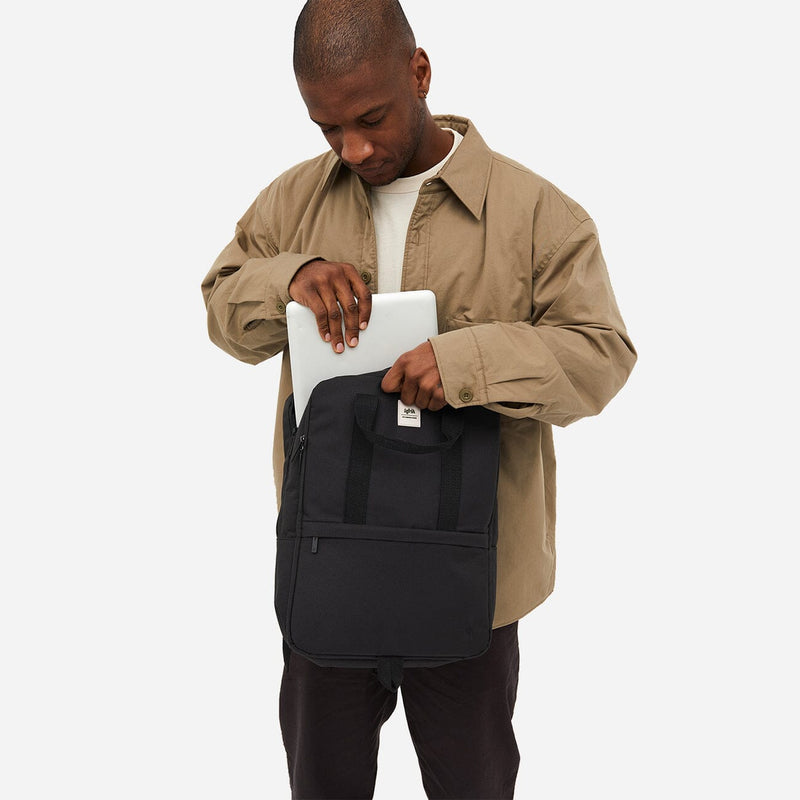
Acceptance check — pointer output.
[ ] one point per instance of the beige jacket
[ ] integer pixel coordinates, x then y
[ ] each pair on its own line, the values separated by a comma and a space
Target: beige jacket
528, 323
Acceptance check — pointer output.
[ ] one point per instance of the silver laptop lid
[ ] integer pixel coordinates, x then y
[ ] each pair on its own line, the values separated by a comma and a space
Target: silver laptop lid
399, 322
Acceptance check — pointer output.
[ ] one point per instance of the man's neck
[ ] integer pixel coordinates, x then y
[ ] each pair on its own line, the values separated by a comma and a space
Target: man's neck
434, 145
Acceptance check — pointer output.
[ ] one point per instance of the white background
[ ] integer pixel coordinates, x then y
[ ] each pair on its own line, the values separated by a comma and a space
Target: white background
140, 655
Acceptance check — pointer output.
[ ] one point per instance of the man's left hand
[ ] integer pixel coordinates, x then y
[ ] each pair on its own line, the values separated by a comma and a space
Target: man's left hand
416, 376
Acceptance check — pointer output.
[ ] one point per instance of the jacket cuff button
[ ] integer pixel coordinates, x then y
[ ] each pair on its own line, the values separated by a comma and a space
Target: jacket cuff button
465, 396
366, 277
281, 307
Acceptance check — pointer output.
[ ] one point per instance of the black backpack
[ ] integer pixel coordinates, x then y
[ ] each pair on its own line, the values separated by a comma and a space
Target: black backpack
387, 534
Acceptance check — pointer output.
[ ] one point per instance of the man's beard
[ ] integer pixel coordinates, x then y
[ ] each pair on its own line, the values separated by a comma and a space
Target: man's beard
410, 147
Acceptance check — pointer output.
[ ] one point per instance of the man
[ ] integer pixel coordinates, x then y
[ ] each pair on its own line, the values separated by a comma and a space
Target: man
529, 328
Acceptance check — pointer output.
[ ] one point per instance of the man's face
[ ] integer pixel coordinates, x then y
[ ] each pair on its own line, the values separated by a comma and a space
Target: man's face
371, 117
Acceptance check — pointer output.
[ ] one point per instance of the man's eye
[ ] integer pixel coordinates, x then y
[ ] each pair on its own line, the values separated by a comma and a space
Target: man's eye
373, 123
327, 131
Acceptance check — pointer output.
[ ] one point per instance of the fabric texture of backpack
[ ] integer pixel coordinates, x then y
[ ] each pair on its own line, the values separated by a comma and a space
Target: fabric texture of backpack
387, 532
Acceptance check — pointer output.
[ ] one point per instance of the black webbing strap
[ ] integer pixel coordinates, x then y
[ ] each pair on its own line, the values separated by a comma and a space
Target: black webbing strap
358, 472
450, 493
360, 466
390, 672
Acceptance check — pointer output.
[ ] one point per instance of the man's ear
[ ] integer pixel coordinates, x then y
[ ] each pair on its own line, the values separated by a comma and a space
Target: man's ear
421, 72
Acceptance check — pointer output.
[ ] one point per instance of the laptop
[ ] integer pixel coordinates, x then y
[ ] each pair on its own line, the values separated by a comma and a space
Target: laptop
400, 321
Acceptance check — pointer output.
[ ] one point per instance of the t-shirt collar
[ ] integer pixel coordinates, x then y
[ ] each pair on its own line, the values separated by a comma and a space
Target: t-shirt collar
466, 173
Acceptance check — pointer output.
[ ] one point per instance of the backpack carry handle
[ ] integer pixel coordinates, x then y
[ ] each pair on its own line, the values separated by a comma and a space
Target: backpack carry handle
366, 407
364, 440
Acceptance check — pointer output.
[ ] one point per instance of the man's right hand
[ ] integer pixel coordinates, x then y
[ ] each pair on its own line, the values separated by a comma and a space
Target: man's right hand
323, 286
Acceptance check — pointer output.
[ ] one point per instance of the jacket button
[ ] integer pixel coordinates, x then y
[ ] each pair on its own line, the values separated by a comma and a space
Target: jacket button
366, 277
281, 307
465, 395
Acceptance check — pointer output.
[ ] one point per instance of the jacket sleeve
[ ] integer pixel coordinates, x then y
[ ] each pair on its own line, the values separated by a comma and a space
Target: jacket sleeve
566, 363
247, 288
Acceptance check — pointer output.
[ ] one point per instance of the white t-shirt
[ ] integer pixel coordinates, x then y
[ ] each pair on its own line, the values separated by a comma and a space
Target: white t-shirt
392, 206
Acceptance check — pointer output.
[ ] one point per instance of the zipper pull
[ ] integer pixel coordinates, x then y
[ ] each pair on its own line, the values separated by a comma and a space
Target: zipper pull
314, 544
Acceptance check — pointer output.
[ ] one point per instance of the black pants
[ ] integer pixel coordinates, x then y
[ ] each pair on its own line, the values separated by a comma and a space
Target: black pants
459, 717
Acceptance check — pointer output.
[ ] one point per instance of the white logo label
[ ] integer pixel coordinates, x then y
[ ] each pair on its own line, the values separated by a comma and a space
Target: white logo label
408, 416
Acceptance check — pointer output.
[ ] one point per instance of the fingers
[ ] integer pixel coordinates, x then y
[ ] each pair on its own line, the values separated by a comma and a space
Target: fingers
423, 396
351, 315
335, 292
393, 379
329, 318
364, 297
413, 393
437, 401
415, 375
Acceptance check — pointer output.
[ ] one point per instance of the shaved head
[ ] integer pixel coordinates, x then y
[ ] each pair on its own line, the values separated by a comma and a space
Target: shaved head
332, 37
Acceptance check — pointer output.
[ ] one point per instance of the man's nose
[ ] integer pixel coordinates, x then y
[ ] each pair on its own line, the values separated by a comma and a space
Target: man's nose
356, 148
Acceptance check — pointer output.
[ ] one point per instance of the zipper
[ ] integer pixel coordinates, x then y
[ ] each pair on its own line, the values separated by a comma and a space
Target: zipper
315, 539
301, 454
297, 532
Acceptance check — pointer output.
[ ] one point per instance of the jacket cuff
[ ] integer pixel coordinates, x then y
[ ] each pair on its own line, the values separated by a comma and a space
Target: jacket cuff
461, 368
263, 285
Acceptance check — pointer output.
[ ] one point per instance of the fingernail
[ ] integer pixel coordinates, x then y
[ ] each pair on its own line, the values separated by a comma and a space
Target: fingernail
339, 347
363, 326
327, 337
353, 341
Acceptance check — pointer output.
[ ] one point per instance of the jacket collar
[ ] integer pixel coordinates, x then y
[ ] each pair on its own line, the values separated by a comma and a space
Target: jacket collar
466, 174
